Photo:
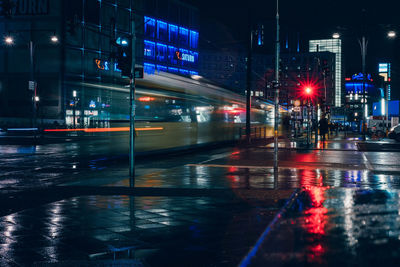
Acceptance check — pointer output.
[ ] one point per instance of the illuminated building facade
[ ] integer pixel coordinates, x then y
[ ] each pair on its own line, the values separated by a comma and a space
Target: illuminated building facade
77, 78
385, 70
354, 95
170, 48
333, 46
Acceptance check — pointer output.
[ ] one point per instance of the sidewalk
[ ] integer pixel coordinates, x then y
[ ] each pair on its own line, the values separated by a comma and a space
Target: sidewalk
213, 212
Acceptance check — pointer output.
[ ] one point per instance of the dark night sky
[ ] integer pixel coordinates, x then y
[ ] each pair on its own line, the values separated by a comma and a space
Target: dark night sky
312, 19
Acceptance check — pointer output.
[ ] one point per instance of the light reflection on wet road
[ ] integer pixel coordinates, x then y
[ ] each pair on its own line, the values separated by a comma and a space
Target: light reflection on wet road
347, 209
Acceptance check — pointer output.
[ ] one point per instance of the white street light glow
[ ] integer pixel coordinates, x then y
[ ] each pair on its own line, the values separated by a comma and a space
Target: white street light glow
9, 40
391, 34
336, 35
54, 39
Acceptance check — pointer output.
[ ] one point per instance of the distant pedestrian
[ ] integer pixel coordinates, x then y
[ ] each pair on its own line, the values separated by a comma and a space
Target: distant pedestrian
323, 127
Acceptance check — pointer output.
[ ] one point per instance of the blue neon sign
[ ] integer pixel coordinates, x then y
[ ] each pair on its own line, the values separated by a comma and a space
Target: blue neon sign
360, 77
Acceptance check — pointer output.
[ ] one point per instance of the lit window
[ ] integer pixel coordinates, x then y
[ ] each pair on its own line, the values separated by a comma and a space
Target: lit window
149, 68
149, 49
183, 36
162, 52
194, 39
162, 30
173, 33
149, 27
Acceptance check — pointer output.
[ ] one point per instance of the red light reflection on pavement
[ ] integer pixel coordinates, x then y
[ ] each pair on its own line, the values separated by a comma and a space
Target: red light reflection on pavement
316, 220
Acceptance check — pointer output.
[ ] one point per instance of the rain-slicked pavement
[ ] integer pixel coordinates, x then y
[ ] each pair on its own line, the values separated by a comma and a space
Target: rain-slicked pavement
346, 207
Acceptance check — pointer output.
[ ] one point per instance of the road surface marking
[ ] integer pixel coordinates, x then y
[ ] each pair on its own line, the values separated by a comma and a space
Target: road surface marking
367, 163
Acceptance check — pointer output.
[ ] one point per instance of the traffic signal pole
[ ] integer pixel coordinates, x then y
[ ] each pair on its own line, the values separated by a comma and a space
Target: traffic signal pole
276, 89
132, 132
248, 93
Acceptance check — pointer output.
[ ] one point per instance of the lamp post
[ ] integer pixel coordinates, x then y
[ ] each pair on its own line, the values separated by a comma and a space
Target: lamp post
276, 83
132, 108
9, 40
391, 35
74, 94
363, 42
248, 92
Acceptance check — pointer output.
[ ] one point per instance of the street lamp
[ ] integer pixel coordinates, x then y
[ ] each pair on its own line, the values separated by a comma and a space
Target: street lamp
9, 40
336, 35
74, 94
54, 39
391, 34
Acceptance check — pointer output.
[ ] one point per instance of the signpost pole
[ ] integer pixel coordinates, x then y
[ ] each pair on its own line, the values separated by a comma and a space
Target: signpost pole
132, 132
276, 106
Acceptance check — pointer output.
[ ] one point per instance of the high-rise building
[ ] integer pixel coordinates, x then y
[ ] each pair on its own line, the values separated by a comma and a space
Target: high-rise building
334, 46
385, 70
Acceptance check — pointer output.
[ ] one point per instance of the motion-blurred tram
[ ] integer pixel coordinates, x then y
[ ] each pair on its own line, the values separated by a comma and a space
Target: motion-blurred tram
175, 112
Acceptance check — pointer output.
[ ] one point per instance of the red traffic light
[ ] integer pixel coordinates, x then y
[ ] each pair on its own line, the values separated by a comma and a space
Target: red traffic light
308, 91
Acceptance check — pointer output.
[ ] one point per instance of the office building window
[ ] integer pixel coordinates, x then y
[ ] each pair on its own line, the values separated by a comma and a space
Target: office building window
149, 49
149, 68
162, 30
162, 53
149, 27
183, 36
194, 39
173, 33
172, 55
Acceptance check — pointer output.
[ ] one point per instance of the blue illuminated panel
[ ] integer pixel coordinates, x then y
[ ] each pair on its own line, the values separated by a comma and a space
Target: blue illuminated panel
183, 36
169, 47
356, 87
185, 58
171, 55
194, 39
162, 53
184, 72
149, 68
393, 107
149, 49
173, 70
161, 68
149, 27
173, 33
162, 31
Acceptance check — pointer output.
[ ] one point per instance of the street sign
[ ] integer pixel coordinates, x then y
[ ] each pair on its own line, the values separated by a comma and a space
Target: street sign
296, 109
32, 85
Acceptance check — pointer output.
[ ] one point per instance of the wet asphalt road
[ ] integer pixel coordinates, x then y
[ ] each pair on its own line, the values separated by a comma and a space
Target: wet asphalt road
347, 206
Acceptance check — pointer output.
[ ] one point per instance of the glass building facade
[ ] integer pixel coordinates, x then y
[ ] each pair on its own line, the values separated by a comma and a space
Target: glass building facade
77, 79
334, 46
170, 48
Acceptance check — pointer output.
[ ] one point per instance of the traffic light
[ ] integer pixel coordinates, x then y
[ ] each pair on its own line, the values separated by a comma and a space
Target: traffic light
308, 91
124, 55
